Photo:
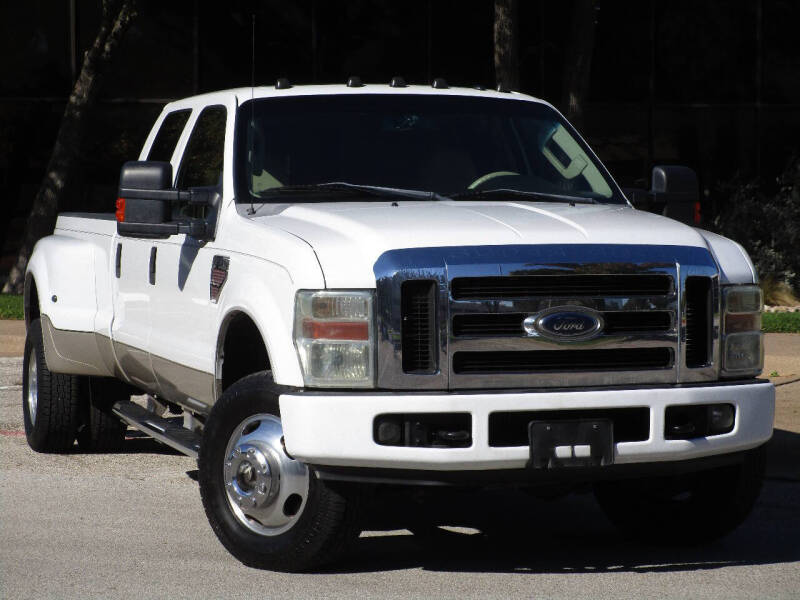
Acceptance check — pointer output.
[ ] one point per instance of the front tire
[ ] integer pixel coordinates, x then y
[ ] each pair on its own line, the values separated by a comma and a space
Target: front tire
689, 509
50, 401
267, 508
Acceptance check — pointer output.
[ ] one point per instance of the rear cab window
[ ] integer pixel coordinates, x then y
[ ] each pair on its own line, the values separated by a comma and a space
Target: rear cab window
168, 135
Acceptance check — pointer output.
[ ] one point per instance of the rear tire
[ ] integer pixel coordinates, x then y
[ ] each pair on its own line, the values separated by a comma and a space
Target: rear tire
101, 430
685, 510
267, 508
50, 401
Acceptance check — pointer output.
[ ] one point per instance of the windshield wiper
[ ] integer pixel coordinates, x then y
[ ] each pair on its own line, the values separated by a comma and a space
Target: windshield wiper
543, 196
322, 189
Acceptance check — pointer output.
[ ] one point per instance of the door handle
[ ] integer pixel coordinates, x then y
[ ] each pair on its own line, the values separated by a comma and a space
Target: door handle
153, 252
118, 261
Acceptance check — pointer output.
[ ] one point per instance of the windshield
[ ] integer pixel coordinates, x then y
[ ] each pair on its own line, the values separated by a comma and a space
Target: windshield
448, 145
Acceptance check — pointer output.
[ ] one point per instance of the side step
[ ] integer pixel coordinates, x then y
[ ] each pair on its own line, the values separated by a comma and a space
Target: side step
164, 430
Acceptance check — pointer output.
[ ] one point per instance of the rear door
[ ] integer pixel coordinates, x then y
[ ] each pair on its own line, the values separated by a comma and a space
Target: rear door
131, 278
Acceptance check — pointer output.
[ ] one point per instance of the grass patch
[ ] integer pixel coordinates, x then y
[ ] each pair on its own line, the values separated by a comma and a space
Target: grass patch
780, 322
11, 307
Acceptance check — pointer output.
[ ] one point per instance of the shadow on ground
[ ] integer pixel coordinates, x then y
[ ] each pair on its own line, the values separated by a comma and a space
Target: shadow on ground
517, 532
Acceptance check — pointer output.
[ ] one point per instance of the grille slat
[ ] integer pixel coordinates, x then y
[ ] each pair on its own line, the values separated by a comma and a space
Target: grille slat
522, 286
418, 334
538, 361
510, 324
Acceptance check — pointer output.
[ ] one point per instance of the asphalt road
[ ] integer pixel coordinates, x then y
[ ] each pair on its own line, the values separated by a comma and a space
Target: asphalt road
131, 525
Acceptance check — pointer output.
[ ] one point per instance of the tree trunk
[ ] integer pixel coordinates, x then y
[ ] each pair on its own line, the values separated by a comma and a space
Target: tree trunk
117, 16
506, 46
578, 60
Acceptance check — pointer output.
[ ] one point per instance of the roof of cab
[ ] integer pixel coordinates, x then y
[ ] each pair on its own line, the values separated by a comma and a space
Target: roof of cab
243, 94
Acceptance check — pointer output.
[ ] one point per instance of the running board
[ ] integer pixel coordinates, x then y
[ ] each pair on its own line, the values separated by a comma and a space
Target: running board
165, 431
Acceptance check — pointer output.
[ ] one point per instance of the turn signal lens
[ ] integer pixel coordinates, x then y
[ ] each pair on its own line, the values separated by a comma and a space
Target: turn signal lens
120, 210
335, 330
742, 322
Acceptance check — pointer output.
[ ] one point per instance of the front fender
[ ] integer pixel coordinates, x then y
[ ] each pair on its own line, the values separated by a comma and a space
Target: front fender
265, 292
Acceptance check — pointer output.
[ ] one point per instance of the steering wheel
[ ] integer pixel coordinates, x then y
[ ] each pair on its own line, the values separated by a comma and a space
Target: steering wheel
484, 178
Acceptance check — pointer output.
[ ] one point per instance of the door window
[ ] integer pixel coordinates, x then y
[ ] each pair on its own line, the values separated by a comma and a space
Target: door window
202, 160
167, 137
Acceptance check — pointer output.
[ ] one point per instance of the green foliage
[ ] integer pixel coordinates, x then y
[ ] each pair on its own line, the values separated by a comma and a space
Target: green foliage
780, 322
766, 224
11, 307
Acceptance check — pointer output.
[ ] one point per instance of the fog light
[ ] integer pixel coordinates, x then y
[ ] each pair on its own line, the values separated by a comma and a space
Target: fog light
389, 432
721, 418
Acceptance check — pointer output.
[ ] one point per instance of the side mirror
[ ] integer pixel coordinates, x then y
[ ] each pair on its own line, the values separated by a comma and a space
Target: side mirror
677, 190
145, 200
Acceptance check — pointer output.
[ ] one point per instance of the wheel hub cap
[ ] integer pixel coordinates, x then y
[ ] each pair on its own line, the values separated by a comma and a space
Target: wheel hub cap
248, 476
33, 387
266, 489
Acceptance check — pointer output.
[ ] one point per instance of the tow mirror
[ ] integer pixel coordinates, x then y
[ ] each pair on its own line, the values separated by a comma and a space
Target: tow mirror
673, 192
144, 203
676, 188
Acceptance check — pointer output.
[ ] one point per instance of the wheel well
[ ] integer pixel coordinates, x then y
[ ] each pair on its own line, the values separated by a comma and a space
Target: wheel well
30, 300
240, 351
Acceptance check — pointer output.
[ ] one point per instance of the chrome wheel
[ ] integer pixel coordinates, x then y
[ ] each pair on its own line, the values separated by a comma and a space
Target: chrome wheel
33, 387
266, 489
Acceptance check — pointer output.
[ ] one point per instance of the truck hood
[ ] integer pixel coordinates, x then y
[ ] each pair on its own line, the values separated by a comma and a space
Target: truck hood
349, 237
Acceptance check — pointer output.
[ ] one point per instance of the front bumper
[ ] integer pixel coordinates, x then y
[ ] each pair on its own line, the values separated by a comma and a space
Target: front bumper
336, 429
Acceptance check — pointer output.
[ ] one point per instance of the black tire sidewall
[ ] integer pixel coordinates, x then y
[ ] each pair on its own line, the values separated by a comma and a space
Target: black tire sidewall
32, 341
303, 545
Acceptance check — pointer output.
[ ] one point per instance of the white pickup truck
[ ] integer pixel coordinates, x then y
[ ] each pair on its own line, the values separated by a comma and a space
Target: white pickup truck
352, 287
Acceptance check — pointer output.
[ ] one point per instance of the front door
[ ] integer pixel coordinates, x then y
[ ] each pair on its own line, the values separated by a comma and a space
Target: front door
183, 339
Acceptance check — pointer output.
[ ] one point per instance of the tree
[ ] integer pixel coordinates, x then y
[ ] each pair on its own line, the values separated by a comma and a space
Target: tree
117, 16
578, 59
506, 45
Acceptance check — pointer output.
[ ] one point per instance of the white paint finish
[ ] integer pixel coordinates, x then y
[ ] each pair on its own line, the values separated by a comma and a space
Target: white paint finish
131, 296
338, 429
244, 94
582, 451
734, 263
348, 237
563, 451
63, 267
183, 318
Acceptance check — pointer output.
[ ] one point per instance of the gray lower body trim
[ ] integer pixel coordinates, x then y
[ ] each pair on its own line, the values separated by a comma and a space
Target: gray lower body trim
184, 385
77, 352
188, 387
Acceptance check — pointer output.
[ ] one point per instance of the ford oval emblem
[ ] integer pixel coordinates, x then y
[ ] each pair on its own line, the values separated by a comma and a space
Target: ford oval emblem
565, 323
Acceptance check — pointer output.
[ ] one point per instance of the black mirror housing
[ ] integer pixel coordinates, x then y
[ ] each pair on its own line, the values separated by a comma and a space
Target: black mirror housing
141, 193
677, 189
144, 205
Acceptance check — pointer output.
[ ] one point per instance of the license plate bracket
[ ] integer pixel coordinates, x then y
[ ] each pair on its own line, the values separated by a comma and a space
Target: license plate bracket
571, 443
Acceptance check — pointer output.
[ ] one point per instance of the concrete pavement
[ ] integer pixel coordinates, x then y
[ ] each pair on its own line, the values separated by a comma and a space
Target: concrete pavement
131, 525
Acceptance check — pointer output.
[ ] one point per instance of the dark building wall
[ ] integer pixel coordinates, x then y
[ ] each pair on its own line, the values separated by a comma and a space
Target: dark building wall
713, 84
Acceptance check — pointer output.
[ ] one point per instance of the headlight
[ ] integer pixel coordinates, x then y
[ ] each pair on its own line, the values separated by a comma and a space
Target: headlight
742, 340
333, 334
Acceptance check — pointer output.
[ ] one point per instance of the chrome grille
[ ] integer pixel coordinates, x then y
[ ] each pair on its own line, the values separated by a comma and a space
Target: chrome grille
484, 293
